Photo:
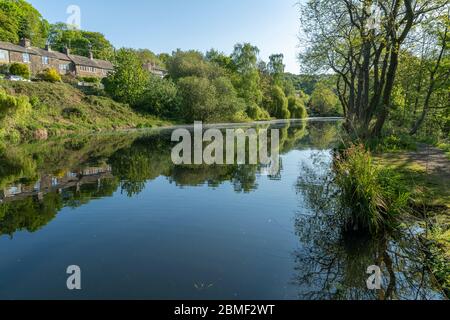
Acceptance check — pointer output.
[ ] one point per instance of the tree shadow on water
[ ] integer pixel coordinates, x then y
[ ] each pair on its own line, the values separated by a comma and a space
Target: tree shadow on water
332, 261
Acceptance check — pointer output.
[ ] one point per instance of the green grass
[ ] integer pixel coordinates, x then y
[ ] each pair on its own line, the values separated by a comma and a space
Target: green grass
62, 109
375, 195
445, 146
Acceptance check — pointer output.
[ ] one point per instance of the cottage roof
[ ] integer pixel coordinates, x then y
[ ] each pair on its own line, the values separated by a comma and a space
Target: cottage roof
50, 54
96, 63
13, 47
78, 60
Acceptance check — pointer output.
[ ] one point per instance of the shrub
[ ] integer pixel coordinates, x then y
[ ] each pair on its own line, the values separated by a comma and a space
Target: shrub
50, 75
129, 80
4, 69
257, 113
160, 98
198, 99
71, 113
297, 108
90, 80
375, 196
208, 100
20, 69
277, 103
324, 101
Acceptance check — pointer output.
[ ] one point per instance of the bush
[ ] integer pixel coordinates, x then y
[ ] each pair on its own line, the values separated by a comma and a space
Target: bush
257, 113
198, 99
392, 143
160, 98
4, 69
277, 104
375, 196
208, 100
20, 69
50, 75
297, 108
129, 80
90, 80
324, 102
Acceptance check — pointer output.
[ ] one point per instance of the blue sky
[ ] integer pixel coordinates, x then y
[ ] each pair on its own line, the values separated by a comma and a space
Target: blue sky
165, 25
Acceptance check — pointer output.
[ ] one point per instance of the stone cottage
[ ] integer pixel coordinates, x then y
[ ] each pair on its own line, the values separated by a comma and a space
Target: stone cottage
40, 59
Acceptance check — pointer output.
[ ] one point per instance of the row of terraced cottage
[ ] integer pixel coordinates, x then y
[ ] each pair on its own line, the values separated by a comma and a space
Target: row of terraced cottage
39, 59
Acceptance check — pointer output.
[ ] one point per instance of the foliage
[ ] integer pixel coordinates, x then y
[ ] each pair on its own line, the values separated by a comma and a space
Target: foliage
206, 100
50, 75
20, 69
191, 63
257, 113
148, 56
19, 19
364, 51
80, 42
160, 98
324, 101
376, 196
297, 107
277, 103
129, 80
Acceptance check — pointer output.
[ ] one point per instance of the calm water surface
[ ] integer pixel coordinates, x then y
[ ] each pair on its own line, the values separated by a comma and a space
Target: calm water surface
140, 227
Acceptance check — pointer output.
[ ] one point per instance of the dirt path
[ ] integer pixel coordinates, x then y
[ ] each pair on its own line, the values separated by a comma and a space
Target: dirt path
431, 158
426, 170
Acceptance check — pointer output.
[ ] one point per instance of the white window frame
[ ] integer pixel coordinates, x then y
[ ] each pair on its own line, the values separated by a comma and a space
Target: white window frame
45, 60
26, 58
4, 55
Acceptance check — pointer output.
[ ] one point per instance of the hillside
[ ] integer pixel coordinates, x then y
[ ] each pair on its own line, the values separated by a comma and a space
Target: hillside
40, 109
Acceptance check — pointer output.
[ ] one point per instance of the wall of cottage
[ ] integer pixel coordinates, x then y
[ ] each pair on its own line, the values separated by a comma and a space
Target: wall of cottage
37, 65
84, 71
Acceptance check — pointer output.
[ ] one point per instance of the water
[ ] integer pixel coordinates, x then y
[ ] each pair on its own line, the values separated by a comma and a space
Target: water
141, 228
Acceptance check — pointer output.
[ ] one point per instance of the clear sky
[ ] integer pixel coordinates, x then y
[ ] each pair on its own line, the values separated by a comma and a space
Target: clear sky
165, 25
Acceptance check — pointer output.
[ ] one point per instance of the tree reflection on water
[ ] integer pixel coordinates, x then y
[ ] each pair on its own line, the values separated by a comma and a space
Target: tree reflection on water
333, 260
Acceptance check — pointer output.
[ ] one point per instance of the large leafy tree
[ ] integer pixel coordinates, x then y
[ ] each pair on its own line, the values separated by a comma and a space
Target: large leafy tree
276, 67
80, 42
19, 19
247, 78
361, 41
129, 80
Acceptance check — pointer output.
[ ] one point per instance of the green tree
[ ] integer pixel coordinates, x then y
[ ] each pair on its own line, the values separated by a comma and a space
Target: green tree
363, 50
198, 96
160, 98
276, 68
277, 103
129, 80
247, 78
80, 42
221, 59
297, 107
324, 101
148, 56
191, 63
19, 19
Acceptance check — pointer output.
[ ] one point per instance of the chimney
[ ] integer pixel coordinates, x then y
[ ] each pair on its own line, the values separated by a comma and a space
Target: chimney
26, 43
91, 55
66, 50
48, 47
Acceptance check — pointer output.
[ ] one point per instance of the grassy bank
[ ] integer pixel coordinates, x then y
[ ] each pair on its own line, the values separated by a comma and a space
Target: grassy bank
39, 109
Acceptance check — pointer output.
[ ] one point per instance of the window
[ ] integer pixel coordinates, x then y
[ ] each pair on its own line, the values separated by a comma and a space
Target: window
26, 58
44, 60
4, 56
64, 67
